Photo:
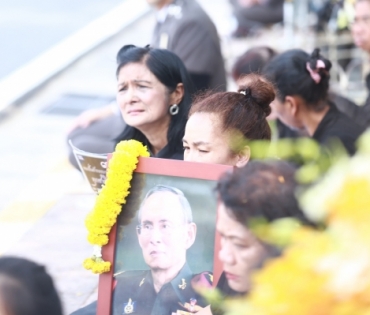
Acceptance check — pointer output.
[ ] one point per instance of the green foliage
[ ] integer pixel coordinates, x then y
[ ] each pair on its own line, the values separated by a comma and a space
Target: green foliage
312, 159
364, 143
278, 233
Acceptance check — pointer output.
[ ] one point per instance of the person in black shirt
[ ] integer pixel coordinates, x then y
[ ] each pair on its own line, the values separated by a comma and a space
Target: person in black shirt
261, 189
302, 103
337, 125
153, 98
251, 15
184, 28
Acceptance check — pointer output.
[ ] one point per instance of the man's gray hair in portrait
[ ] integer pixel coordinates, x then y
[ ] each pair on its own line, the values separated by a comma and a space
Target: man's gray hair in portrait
185, 206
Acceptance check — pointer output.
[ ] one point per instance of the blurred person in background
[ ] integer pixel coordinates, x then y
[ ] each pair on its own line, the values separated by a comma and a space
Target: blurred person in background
220, 123
184, 28
252, 15
255, 59
252, 61
261, 189
154, 95
361, 36
26, 289
302, 103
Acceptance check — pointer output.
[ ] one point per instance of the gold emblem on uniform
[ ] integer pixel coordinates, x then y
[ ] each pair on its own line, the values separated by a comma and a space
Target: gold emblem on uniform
141, 282
129, 308
182, 286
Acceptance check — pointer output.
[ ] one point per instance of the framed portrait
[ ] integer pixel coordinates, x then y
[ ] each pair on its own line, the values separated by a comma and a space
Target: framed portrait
164, 243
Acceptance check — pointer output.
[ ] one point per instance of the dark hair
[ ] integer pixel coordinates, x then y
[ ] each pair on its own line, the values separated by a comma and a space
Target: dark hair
252, 61
288, 71
27, 289
261, 189
170, 71
244, 111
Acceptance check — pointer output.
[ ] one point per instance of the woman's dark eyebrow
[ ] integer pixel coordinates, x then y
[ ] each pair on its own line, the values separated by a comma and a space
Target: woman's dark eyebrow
136, 81
236, 238
142, 81
198, 143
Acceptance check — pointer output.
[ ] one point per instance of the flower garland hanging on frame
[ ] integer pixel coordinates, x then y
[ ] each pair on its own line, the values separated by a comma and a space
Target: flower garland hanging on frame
110, 199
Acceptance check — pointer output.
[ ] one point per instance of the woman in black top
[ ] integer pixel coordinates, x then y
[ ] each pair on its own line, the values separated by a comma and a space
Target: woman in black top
302, 84
154, 96
261, 189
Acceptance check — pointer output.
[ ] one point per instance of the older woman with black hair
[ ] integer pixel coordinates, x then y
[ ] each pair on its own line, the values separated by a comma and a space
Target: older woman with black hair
154, 96
258, 190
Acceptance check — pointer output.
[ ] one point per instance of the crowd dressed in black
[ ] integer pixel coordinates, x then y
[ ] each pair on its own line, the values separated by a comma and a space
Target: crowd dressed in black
172, 97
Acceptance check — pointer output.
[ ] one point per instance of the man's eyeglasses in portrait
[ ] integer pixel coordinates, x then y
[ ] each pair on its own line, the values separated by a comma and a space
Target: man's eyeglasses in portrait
165, 228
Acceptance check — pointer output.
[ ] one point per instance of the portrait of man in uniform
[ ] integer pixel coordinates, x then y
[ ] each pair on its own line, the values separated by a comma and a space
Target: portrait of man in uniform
165, 231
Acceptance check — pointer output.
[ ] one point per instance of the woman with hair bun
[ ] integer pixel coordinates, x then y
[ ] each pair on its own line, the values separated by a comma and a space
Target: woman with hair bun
302, 85
219, 123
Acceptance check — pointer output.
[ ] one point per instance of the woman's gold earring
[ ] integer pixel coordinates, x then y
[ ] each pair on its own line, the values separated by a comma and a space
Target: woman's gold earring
174, 109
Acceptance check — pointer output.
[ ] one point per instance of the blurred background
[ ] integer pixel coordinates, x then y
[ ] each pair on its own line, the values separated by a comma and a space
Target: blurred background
58, 59
29, 28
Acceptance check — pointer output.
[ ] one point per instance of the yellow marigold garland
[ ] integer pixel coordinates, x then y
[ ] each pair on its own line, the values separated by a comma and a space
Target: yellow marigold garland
110, 199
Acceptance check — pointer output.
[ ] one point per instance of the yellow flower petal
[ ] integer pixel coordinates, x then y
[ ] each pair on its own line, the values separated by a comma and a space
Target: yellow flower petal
113, 194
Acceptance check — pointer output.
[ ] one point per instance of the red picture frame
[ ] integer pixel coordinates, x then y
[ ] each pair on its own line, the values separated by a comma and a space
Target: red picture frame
163, 167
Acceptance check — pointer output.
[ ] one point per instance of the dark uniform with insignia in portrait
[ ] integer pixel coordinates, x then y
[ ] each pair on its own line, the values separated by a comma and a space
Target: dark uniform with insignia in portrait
135, 294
